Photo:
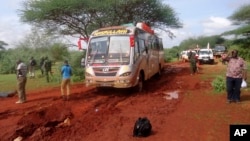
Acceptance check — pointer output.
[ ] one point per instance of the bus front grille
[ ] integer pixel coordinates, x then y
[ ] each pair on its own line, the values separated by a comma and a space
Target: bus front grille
106, 71
105, 74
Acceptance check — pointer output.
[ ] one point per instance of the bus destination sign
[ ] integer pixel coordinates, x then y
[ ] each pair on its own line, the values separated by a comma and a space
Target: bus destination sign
110, 32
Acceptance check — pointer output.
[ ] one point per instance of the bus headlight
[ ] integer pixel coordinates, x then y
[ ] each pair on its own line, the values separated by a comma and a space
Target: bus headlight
126, 74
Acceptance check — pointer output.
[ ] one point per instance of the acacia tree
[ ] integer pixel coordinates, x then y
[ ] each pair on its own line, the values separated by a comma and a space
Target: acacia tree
2, 44
242, 17
74, 17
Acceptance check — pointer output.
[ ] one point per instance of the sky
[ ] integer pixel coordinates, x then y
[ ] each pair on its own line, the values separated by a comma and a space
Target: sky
202, 18
199, 18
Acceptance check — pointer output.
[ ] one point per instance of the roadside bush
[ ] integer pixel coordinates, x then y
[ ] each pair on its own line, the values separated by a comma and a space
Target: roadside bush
78, 75
75, 62
219, 84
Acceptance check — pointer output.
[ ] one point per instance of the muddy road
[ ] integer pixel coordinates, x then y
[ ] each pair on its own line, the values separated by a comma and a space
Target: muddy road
110, 114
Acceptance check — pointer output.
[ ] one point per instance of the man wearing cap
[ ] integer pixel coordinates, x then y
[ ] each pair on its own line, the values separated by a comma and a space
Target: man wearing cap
21, 81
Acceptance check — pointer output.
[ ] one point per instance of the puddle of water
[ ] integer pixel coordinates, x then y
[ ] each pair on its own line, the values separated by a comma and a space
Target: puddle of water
7, 94
171, 95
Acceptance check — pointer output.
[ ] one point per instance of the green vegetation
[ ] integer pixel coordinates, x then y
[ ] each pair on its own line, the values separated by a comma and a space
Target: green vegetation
219, 84
219, 79
52, 18
81, 17
8, 82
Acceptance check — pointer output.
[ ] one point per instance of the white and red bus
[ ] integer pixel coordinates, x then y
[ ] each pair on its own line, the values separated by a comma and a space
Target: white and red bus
123, 56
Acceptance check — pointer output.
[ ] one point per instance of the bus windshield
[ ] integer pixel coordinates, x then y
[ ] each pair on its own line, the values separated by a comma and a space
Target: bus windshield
109, 50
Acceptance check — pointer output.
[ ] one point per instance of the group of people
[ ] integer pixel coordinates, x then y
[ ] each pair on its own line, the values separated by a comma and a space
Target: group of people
45, 66
22, 69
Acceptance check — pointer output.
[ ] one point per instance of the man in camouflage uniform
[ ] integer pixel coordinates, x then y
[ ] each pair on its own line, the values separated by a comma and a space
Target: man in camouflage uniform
192, 61
47, 68
32, 65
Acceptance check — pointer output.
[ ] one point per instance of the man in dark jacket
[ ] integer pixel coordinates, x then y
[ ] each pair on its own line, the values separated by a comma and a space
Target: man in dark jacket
192, 60
32, 65
47, 68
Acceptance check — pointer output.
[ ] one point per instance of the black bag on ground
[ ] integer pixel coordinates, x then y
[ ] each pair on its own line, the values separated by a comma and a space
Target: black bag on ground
142, 127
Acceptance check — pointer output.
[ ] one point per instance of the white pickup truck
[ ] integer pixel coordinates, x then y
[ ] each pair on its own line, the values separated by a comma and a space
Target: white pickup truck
206, 55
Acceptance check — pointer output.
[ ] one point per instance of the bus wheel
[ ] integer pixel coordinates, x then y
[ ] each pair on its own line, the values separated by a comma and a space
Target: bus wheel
159, 71
139, 87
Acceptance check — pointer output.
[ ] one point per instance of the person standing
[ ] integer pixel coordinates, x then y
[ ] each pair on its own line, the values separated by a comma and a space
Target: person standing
177, 56
236, 71
47, 68
66, 72
21, 81
192, 61
32, 65
41, 65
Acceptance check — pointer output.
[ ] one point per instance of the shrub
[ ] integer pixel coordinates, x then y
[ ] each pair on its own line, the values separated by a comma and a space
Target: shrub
219, 84
78, 75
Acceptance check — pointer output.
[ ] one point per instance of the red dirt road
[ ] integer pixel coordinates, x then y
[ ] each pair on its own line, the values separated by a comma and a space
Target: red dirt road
194, 113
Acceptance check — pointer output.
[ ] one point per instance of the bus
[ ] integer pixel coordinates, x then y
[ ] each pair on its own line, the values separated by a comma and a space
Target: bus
123, 56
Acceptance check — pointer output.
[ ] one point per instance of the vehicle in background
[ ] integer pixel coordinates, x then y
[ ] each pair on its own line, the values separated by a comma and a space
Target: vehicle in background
123, 56
219, 50
206, 55
184, 55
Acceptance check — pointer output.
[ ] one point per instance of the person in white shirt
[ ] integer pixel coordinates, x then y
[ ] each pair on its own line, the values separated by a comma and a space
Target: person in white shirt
21, 81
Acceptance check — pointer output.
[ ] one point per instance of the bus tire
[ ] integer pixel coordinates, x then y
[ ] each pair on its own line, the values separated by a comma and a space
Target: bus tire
159, 71
139, 87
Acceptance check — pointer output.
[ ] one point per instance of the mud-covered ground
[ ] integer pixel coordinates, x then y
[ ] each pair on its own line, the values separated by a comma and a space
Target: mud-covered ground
180, 106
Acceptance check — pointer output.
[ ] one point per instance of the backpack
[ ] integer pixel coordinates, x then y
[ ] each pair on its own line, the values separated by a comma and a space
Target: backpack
142, 127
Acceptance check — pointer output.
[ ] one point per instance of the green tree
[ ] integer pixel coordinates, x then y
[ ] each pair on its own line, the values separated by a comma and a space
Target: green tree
241, 15
74, 17
2, 44
36, 44
201, 41
59, 52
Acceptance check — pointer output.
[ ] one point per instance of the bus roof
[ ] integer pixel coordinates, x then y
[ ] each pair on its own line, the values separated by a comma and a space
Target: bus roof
121, 30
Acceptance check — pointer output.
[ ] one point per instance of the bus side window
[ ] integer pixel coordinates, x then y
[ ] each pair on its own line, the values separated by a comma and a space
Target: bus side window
141, 45
136, 51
